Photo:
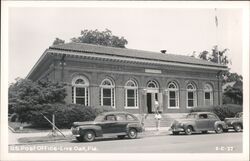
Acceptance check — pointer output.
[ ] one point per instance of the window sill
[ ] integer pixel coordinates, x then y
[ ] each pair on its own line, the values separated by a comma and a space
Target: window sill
173, 107
131, 107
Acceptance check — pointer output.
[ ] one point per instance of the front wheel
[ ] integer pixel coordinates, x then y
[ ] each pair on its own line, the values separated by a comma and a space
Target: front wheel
219, 129
237, 127
89, 136
132, 133
188, 130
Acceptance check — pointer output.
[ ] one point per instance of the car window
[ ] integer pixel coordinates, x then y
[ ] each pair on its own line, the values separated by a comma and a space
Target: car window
203, 116
191, 116
120, 117
110, 118
130, 118
238, 115
211, 116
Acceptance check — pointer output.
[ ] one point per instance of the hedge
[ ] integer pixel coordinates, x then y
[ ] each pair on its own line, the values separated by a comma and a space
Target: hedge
65, 115
222, 112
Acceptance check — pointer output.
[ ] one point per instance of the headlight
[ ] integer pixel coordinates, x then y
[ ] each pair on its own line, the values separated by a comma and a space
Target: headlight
181, 124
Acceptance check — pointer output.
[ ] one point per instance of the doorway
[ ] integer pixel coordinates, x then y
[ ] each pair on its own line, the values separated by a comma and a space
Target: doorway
149, 102
151, 97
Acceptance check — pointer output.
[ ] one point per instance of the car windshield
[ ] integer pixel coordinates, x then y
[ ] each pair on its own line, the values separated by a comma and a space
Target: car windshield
99, 118
191, 116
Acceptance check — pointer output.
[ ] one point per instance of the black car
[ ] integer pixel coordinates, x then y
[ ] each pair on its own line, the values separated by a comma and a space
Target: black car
120, 124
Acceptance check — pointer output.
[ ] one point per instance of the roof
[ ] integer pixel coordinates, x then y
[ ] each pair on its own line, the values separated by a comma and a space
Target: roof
132, 53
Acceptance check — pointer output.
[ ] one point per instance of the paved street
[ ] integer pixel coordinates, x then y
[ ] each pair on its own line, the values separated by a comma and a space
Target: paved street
197, 143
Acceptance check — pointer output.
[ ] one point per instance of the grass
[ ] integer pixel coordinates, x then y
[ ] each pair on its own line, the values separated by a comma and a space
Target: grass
27, 128
48, 138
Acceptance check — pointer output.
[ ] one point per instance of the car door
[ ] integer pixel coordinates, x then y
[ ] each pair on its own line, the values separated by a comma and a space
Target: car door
109, 124
121, 123
202, 122
212, 119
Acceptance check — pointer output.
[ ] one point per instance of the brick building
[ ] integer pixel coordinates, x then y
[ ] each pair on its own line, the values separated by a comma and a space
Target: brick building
131, 80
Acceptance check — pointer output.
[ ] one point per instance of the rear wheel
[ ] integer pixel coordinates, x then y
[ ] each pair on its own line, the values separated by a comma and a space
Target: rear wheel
188, 130
132, 133
175, 132
237, 127
218, 129
121, 136
89, 136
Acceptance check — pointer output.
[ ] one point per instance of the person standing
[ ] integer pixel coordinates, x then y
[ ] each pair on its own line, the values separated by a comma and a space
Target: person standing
158, 120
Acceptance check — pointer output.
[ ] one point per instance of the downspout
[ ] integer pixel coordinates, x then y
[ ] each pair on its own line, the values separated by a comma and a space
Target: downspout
218, 77
62, 63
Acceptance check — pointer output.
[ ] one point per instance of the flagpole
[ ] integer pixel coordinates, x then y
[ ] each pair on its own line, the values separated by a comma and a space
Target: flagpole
216, 32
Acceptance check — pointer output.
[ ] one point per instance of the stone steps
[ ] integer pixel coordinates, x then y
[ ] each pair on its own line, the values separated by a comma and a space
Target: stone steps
166, 120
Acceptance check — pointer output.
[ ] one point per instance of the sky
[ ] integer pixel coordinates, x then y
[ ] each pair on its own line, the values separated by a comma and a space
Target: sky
32, 30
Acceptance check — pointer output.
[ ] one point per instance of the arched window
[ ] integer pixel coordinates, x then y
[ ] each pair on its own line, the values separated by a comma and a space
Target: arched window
107, 91
152, 84
191, 96
80, 90
173, 95
208, 95
131, 94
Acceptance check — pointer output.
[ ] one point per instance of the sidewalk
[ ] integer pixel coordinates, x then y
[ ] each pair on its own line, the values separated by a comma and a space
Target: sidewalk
25, 138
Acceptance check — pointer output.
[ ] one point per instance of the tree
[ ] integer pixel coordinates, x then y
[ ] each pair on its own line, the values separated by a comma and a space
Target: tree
58, 41
215, 56
105, 38
235, 93
26, 96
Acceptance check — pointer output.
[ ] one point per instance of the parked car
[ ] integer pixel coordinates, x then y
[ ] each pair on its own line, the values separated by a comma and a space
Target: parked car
120, 124
235, 123
198, 122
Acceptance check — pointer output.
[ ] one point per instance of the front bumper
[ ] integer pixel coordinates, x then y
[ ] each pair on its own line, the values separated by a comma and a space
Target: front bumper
176, 129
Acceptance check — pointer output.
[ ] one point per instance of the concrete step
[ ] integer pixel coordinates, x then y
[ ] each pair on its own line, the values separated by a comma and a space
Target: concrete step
167, 119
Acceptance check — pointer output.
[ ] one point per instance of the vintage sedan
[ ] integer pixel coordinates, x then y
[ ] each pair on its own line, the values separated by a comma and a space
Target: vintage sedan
120, 124
235, 123
196, 122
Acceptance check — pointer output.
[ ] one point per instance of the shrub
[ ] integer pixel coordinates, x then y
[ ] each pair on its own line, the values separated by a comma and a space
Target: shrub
222, 112
65, 115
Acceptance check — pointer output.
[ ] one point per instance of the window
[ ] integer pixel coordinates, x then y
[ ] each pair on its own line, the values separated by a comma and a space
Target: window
173, 95
110, 118
120, 117
130, 118
211, 116
208, 95
131, 94
203, 116
191, 96
107, 93
80, 90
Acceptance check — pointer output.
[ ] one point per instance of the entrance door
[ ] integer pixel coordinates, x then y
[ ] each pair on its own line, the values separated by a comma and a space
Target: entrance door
149, 102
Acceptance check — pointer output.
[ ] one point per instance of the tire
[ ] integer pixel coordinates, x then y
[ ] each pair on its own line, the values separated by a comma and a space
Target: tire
237, 127
218, 129
132, 133
175, 132
189, 130
121, 136
89, 136
80, 139
204, 132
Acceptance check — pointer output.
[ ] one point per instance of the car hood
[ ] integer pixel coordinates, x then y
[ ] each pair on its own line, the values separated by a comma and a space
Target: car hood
83, 123
230, 119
